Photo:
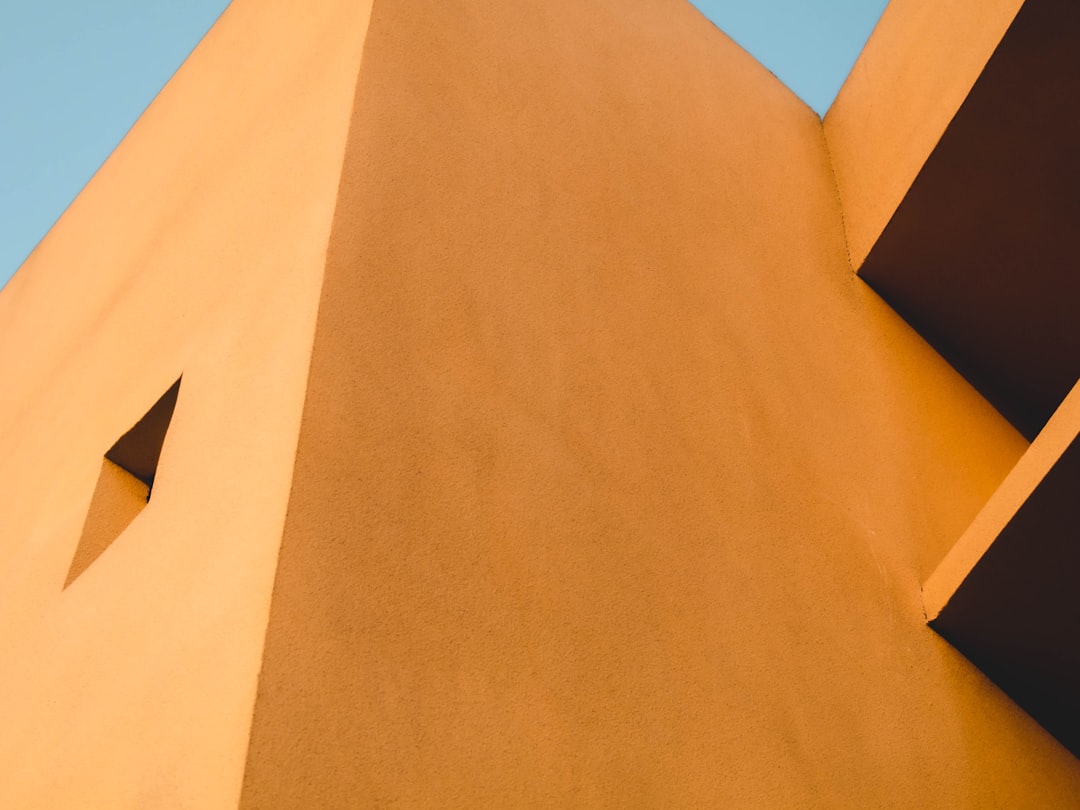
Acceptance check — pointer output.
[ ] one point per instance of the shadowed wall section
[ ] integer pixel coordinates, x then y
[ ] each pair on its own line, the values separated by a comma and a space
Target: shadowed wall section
980, 256
1005, 594
907, 84
614, 486
118, 499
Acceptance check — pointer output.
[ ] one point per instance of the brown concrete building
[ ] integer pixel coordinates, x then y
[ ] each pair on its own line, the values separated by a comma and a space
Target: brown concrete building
458, 403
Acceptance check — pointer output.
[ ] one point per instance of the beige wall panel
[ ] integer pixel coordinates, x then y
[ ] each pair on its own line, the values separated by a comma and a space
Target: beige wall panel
198, 249
615, 486
906, 86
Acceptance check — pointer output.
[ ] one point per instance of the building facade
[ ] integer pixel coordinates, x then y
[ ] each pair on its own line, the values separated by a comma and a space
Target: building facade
472, 404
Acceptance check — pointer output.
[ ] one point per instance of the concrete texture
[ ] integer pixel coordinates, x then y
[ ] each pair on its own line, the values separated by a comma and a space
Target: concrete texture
521, 342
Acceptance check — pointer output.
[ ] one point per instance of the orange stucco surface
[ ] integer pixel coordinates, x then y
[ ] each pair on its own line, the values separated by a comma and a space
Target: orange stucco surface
536, 446
118, 499
1046, 451
1005, 594
979, 256
197, 249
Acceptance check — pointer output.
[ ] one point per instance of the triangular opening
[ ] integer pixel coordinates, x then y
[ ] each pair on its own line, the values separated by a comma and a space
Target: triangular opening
124, 484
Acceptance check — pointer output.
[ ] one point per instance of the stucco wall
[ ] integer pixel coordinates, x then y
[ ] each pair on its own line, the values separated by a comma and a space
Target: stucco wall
198, 248
615, 486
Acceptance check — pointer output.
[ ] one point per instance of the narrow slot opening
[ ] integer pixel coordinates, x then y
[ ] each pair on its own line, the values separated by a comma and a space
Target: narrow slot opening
125, 483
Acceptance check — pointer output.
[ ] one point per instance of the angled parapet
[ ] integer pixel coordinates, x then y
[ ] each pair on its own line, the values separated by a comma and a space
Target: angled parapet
954, 146
960, 186
915, 72
1006, 594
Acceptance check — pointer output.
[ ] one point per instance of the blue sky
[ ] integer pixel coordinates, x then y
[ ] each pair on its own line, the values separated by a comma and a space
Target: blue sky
75, 74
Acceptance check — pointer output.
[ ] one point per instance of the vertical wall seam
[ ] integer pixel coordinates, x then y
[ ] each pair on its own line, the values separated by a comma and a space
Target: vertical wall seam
839, 197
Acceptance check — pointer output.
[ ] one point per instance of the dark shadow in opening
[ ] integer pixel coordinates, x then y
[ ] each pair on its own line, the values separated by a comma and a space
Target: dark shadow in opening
124, 483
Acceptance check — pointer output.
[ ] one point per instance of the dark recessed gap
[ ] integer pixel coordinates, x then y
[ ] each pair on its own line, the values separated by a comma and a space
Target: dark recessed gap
124, 484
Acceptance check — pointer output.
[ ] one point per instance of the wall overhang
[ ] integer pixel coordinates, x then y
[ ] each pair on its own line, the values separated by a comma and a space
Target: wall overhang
981, 256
